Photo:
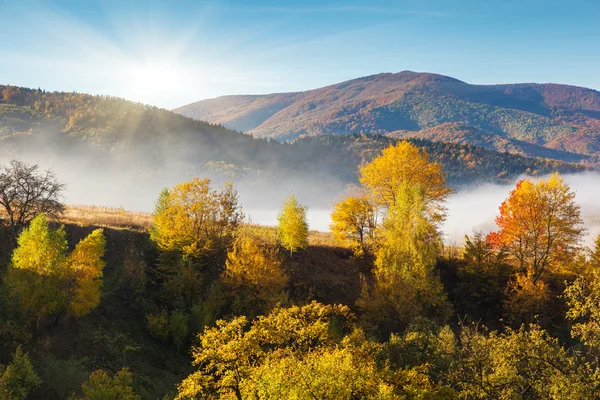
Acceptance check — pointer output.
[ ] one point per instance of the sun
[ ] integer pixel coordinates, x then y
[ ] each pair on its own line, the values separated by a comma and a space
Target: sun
149, 79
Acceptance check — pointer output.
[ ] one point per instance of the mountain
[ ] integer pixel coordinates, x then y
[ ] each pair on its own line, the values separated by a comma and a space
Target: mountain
107, 143
547, 120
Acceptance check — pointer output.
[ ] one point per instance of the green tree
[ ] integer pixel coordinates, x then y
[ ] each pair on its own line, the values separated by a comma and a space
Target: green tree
293, 227
46, 280
516, 364
18, 379
406, 285
101, 386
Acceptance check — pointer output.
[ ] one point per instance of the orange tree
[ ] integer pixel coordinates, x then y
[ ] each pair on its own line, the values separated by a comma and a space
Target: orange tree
540, 226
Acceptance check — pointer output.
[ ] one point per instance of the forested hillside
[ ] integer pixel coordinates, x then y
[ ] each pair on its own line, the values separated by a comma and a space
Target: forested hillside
521, 118
151, 142
193, 302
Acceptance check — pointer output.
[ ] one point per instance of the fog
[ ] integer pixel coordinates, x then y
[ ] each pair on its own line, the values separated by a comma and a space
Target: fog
119, 183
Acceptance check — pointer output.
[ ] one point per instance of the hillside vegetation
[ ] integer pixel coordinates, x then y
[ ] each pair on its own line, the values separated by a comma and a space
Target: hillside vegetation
521, 118
151, 143
192, 302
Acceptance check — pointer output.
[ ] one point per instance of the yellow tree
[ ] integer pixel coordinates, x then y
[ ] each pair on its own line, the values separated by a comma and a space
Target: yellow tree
406, 285
85, 267
540, 226
194, 219
253, 268
46, 280
293, 227
405, 163
354, 222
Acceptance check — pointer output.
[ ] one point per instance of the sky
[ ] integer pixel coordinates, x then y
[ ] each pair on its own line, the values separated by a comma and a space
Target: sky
170, 53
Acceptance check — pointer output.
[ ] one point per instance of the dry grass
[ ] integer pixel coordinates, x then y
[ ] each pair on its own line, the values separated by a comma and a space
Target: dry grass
106, 217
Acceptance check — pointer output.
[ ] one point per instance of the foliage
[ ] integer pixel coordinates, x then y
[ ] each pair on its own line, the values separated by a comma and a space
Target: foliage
583, 298
406, 285
406, 164
18, 379
540, 226
293, 227
354, 222
46, 280
524, 363
101, 386
25, 192
194, 219
227, 353
85, 267
254, 271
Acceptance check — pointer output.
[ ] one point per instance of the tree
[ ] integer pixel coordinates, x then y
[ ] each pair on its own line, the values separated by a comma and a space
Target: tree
354, 221
540, 226
293, 228
18, 379
228, 354
46, 280
194, 219
253, 269
85, 266
26, 192
101, 386
406, 285
406, 164
517, 364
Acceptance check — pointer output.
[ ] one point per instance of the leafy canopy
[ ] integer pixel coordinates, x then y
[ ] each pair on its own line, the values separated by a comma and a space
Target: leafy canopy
49, 282
293, 227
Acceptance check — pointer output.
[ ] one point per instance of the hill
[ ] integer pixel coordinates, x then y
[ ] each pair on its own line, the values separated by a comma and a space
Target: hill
129, 151
521, 118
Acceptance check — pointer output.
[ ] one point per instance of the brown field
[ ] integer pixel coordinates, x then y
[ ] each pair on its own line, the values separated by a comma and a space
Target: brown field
106, 217
122, 219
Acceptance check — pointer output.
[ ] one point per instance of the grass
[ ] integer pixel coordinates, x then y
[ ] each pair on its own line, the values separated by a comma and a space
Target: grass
106, 217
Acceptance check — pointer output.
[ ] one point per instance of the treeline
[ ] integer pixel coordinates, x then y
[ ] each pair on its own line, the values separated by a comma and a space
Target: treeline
156, 141
512, 314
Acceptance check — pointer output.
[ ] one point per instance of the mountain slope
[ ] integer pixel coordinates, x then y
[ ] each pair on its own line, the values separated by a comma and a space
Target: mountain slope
140, 149
558, 117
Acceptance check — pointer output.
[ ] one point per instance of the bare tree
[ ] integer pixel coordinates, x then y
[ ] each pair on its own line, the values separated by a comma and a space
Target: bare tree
25, 191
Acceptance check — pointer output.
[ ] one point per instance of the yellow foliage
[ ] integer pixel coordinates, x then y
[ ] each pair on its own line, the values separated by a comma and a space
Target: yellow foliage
193, 219
406, 164
85, 267
253, 265
293, 228
354, 221
46, 280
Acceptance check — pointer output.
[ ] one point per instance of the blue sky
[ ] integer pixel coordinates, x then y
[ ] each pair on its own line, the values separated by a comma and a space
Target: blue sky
173, 52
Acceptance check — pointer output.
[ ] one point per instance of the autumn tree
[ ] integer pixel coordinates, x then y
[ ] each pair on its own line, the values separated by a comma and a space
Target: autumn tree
25, 192
583, 299
195, 220
523, 363
46, 280
540, 226
253, 270
293, 227
406, 164
18, 379
102, 386
227, 355
406, 285
354, 222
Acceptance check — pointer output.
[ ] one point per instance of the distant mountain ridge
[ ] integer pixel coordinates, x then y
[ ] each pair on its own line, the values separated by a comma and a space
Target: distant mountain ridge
103, 138
547, 120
